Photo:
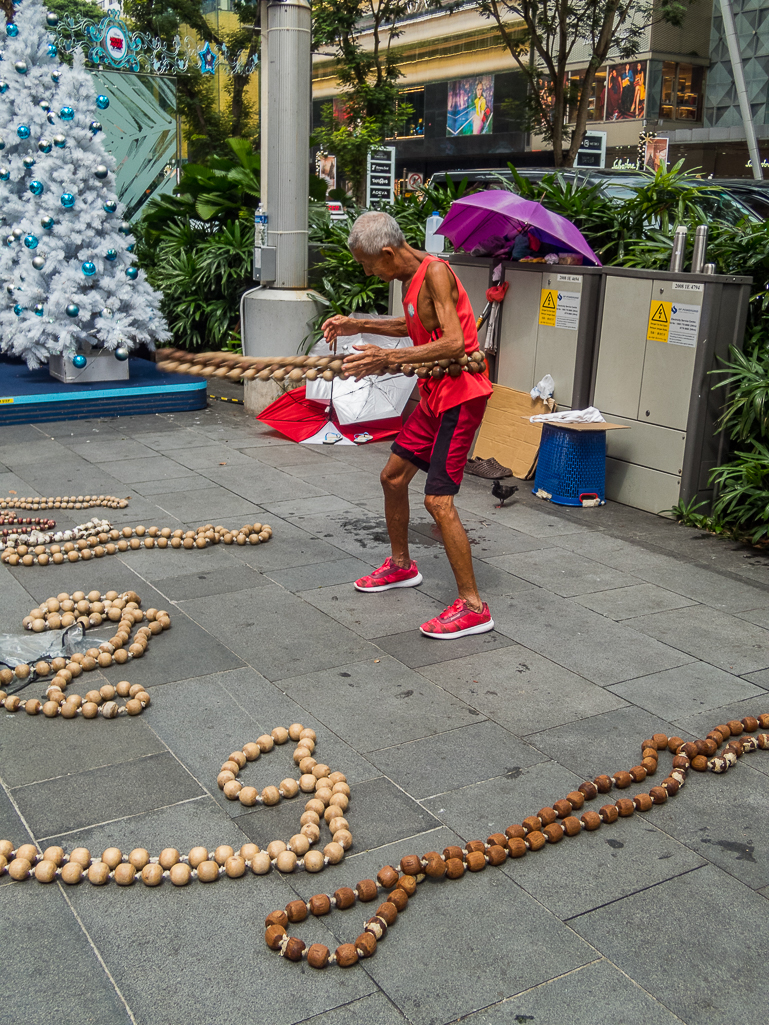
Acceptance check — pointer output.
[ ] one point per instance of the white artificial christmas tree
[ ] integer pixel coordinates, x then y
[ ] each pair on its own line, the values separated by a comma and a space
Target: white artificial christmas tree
67, 274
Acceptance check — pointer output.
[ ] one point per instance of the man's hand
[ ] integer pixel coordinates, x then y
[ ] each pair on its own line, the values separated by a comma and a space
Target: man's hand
368, 359
335, 326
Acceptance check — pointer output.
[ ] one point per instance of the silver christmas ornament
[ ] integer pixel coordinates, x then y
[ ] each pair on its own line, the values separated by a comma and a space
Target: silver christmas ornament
107, 313
101, 171
44, 105
51, 20
38, 262
29, 162
121, 353
21, 67
59, 140
17, 232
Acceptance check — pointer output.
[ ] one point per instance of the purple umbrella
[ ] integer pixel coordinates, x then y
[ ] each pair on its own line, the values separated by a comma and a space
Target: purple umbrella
475, 220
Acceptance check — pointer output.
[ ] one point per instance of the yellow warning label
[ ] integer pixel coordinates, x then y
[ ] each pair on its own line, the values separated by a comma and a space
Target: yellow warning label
659, 321
5, 402
548, 307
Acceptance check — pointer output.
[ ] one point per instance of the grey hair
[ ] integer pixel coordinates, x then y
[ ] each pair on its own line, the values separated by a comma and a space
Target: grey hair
373, 231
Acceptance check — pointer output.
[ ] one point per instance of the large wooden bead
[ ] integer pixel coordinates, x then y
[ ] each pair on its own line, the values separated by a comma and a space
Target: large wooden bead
571, 825
453, 852
125, 874
81, 855
658, 795
435, 868
625, 807
377, 927
388, 912
496, 855
532, 822
642, 802
29, 852
399, 898
278, 917
273, 936
476, 861
576, 798
208, 872
314, 861
536, 841
516, 847
320, 904
98, 873
409, 884
638, 772
317, 955
387, 876
19, 869
151, 875
411, 865
661, 740
590, 790
346, 955
591, 820
671, 786
71, 873
562, 808
622, 779
553, 832
54, 854
366, 944
455, 868
603, 784
672, 745
296, 911
45, 871
367, 889
293, 949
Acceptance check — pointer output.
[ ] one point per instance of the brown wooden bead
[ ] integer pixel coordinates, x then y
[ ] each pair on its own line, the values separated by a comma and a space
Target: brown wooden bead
387, 876
716, 735
407, 883
553, 832
125, 874
388, 912
318, 955
476, 862
673, 744
625, 807
455, 868
658, 794
377, 927
638, 772
293, 949
622, 780
19, 869
681, 762
661, 740
514, 832
700, 763
749, 724
477, 845
276, 918
296, 911
496, 839
709, 747
71, 873
365, 944
571, 825
345, 897
45, 871
690, 750
399, 898
609, 813
367, 889
649, 752
496, 855
274, 936
576, 798
562, 808
643, 802
29, 852
532, 822
98, 873
208, 871
603, 784
346, 955
591, 820
516, 848
320, 904
435, 868
536, 841
410, 865
453, 852
547, 815
168, 857
588, 790
735, 726
763, 720
649, 743
650, 764
671, 785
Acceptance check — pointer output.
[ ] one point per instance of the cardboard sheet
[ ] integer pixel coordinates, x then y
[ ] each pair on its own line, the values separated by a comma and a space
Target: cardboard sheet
506, 434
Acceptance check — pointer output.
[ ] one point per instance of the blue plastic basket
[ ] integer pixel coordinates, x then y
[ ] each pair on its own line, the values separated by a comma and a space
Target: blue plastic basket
571, 465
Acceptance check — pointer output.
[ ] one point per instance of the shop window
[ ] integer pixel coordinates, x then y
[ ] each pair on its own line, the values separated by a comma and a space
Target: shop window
681, 95
596, 103
413, 124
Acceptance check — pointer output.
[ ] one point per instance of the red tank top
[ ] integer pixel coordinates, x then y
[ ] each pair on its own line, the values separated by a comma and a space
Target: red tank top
438, 396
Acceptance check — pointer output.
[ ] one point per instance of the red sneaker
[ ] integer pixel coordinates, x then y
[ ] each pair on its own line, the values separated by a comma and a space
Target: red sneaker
458, 620
389, 575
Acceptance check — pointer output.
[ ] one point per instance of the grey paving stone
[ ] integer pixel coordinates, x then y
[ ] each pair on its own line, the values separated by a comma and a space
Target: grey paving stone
153, 949
521, 690
158, 564
492, 581
374, 615
578, 639
232, 581
712, 636
171, 438
11, 826
564, 572
161, 490
364, 534
636, 600
760, 679
288, 549
262, 484
458, 758
103, 451
686, 690
477, 811
133, 471
759, 617
209, 505
604, 743
68, 746
201, 456
82, 799
343, 570
621, 1002
715, 954
345, 484
415, 650
301, 508
33, 987
373, 1010
378, 703
278, 633
287, 457
537, 521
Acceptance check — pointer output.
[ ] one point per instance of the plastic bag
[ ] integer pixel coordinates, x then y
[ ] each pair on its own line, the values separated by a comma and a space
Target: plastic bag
30, 648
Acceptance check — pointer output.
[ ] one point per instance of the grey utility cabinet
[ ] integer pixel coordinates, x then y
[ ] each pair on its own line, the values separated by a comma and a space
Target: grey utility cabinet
548, 326
659, 335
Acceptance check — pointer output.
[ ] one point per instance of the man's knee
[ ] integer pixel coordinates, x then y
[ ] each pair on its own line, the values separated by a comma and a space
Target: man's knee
439, 506
393, 478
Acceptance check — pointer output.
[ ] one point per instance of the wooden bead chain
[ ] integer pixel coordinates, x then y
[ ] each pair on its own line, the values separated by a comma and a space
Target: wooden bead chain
97, 539
90, 611
533, 834
65, 502
34, 522
331, 798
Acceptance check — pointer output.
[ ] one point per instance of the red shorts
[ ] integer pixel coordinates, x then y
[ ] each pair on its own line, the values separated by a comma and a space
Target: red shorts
440, 445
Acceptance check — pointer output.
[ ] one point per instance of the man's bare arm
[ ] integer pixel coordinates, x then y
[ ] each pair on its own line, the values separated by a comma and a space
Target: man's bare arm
392, 327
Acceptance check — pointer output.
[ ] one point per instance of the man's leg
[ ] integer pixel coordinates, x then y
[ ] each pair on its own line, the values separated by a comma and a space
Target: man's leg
395, 479
443, 511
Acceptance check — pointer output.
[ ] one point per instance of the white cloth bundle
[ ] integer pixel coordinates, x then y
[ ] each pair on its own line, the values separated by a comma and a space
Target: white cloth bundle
570, 416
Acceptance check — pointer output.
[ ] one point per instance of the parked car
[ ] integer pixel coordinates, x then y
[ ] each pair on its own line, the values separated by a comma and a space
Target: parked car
753, 193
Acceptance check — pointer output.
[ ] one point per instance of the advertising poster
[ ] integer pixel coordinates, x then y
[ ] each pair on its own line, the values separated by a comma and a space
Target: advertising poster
626, 91
470, 106
325, 168
656, 153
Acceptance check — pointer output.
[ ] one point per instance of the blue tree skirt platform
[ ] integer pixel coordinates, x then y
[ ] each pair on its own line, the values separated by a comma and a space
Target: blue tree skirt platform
33, 396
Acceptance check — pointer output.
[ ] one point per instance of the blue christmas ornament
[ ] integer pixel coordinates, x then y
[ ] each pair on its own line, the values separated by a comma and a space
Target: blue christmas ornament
72, 311
95, 126
44, 105
132, 273
2, 144
79, 360
102, 102
3, 87
12, 30
121, 353
39, 310
5, 174
47, 223
23, 131
31, 241
67, 200
44, 145
18, 309
66, 113
125, 228
55, 76
51, 20
36, 188
52, 51
110, 206
59, 141
29, 162
50, 117
111, 255
88, 268
207, 60
130, 248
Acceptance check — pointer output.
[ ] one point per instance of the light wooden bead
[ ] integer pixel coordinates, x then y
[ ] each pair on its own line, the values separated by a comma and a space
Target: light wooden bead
320, 771
265, 743
337, 823
260, 863
279, 735
98, 874
334, 852
275, 848
125, 874
230, 766
45, 871
71, 873
208, 872
340, 800
235, 867
180, 874
308, 733
112, 857
139, 857
252, 751
307, 782
197, 856
223, 852
248, 796
231, 789
295, 730
270, 795
80, 855
168, 857
286, 861
323, 794
315, 805
248, 851
224, 777
314, 861
307, 764
300, 754
340, 786
344, 838
311, 831
54, 854
239, 758
290, 787
19, 869
300, 844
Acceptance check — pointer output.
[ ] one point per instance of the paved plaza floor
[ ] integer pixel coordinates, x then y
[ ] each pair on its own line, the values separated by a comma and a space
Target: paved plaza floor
611, 625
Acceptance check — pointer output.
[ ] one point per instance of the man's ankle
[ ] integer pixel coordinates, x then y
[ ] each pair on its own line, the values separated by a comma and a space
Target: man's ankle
401, 561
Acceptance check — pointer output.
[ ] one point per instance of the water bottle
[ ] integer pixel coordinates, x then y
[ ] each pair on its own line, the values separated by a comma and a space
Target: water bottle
434, 243
260, 226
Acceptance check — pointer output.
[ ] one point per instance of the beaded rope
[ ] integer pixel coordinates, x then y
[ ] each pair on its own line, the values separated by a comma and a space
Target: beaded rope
331, 799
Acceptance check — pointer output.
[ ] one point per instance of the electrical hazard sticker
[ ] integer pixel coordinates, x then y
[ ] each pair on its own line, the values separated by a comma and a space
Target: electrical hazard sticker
673, 323
559, 309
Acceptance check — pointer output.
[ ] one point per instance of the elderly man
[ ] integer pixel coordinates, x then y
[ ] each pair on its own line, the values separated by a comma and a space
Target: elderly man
437, 436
